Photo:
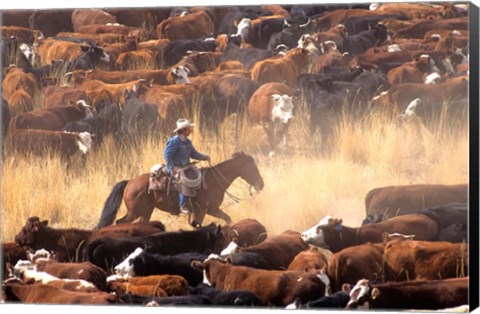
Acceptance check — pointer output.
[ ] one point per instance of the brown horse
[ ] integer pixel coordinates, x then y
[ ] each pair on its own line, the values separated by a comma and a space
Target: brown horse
209, 197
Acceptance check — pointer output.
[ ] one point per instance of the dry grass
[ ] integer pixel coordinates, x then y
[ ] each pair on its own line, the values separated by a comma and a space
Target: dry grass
300, 188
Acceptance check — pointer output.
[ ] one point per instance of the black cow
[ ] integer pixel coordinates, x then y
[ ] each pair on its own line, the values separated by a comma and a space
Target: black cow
249, 259
455, 233
356, 24
236, 14
259, 35
147, 264
337, 300
246, 56
294, 28
361, 42
175, 50
448, 214
139, 119
106, 252
91, 57
315, 9
107, 121
51, 22
177, 300
226, 298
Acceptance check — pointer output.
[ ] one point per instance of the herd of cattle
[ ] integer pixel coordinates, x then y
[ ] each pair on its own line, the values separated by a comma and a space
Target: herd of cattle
410, 253
73, 76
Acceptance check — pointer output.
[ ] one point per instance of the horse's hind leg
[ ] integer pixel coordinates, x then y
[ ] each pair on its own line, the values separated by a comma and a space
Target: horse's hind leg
129, 217
218, 213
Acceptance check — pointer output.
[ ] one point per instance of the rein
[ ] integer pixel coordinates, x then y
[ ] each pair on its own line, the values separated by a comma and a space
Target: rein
236, 199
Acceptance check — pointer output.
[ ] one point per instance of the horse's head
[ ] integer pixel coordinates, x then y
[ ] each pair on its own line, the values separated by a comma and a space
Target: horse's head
249, 170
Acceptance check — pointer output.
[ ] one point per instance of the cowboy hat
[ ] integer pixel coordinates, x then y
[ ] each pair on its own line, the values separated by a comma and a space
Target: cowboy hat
183, 124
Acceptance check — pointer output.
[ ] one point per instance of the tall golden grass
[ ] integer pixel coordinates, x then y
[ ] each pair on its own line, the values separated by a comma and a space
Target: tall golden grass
300, 187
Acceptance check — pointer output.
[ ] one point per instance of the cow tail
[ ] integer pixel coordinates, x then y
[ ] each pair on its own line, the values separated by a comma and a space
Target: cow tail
368, 199
112, 204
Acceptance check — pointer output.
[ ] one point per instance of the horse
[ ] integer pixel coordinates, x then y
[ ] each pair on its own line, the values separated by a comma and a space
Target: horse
217, 179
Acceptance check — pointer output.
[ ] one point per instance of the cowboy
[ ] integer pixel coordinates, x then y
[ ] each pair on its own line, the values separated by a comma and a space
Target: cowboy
177, 154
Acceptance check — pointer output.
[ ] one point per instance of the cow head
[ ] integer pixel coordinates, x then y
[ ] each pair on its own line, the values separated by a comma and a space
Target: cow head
330, 235
180, 73
230, 249
96, 53
283, 107
328, 46
361, 294
32, 232
206, 266
125, 268
83, 106
310, 236
243, 27
432, 78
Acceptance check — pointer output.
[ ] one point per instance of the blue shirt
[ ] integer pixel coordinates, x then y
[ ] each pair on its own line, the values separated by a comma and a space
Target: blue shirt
179, 151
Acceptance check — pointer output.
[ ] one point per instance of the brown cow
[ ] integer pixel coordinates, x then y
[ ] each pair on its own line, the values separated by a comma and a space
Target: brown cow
335, 237
84, 271
331, 57
11, 254
353, 263
44, 293
192, 25
82, 17
21, 34
66, 243
172, 285
199, 62
281, 69
406, 259
62, 96
390, 201
136, 60
411, 72
311, 260
272, 106
53, 119
335, 34
100, 39
246, 232
271, 286
50, 49
122, 288
141, 33
20, 101
115, 49
116, 77
419, 29
43, 142
230, 65
278, 251
15, 78
419, 295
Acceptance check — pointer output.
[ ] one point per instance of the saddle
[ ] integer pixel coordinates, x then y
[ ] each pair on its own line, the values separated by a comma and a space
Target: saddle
187, 181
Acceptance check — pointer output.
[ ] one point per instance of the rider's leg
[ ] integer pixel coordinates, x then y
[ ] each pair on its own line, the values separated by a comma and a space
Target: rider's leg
182, 200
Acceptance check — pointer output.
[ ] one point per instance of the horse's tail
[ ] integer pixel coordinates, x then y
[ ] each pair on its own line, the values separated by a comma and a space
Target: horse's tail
112, 204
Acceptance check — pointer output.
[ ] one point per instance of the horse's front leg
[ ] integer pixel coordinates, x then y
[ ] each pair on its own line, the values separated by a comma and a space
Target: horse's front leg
198, 215
218, 213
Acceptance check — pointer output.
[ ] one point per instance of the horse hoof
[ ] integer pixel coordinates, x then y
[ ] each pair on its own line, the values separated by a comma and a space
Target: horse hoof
195, 224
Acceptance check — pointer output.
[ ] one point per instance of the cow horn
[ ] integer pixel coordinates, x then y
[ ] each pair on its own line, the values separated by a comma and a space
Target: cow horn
286, 23
68, 74
306, 24
175, 71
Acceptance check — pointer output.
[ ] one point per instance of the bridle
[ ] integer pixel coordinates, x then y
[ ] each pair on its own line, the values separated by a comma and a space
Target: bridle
217, 175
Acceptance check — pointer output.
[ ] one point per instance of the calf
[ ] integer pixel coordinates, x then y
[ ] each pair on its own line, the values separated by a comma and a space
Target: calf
406, 259
175, 50
311, 260
52, 119
106, 252
43, 142
67, 243
227, 298
335, 237
282, 69
141, 263
272, 106
246, 232
419, 295
278, 251
272, 287
195, 25
47, 294
411, 72
390, 201
354, 263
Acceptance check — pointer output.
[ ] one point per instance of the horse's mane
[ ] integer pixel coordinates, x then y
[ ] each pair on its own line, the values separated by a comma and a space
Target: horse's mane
241, 155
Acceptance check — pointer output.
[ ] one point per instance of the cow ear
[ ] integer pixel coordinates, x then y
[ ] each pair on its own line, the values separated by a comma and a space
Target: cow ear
219, 230
228, 259
197, 265
85, 48
346, 288
276, 97
45, 223
385, 237
375, 293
